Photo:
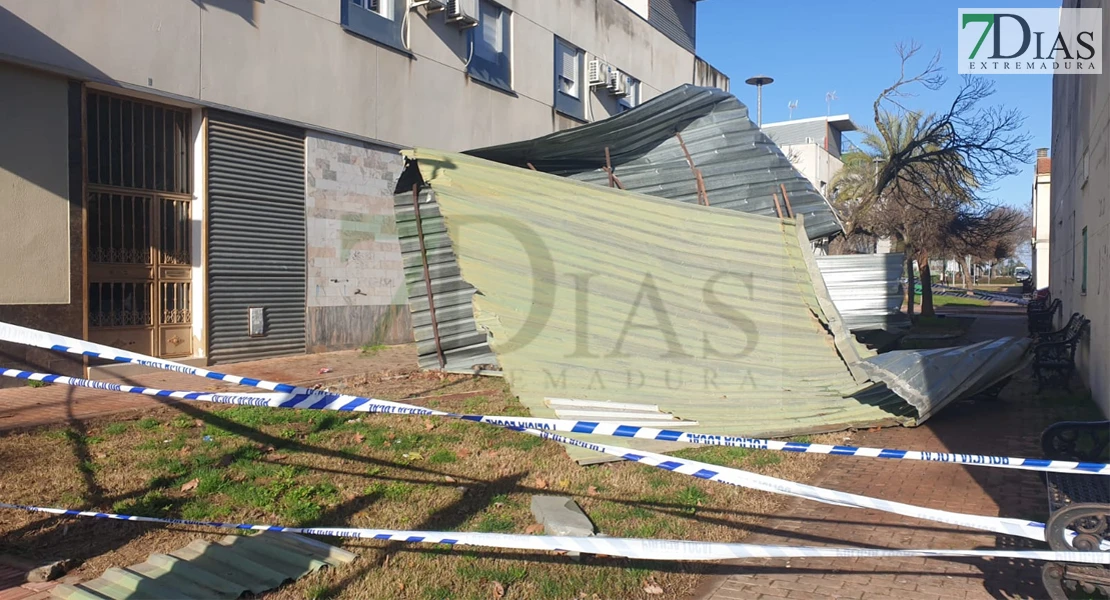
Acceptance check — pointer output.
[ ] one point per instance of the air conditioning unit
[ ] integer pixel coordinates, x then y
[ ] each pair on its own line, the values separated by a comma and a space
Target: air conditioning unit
618, 83
430, 6
463, 13
597, 73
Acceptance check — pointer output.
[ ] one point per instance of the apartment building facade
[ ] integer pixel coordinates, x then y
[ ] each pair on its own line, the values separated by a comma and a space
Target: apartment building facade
1080, 223
212, 180
813, 145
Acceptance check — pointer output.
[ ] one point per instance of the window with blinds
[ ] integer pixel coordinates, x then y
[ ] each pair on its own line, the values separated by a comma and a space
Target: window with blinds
570, 92
568, 64
491, 43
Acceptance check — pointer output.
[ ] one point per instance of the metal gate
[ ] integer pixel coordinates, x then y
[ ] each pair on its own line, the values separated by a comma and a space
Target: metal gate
256, 239
138, 225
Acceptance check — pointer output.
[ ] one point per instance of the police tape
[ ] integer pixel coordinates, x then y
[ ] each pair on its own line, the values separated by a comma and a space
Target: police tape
299, 397
289, 396
701, 470
341, 402
635, 548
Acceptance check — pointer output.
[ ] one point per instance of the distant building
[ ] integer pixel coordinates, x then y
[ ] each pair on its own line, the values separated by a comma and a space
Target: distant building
1042, 219
213, 181
1079, 221
813, 145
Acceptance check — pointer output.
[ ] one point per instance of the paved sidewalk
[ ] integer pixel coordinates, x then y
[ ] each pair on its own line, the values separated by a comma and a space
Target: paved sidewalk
1009, 426
22, 407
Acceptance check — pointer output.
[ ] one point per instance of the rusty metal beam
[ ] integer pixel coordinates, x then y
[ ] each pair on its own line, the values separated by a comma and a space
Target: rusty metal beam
786, 198
703, 197
427, 274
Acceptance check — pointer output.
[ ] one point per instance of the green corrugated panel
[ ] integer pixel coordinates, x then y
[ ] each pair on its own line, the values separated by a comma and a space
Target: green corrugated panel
227, 569
600, 294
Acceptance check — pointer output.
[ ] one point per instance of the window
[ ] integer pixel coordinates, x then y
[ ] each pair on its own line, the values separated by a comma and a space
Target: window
632, 99
378, 20
1083, 286
491, 46
569, 89
379, 7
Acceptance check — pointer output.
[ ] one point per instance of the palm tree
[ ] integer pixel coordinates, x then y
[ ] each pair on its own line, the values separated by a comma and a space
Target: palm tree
911, 206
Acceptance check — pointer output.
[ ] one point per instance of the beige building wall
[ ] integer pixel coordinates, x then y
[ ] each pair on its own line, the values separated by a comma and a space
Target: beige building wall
814, 162
1042, 223
34, 188
1080, 186
291, 59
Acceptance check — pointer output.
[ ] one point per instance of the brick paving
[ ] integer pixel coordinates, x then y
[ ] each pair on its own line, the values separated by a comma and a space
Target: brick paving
22, 407
1009, 426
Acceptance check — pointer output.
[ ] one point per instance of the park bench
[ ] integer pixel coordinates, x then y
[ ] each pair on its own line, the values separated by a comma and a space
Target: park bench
1040, 315
1080, 503
1054, 358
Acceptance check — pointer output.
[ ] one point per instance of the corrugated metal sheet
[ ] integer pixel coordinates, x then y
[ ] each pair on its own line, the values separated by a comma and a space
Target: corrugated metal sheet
256, 237
866, 289
225, 569
931, 379
710, 314
740, 165
677, 19
462, 344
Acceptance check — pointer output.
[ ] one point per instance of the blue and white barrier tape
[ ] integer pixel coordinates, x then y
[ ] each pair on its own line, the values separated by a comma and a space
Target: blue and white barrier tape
299, 397
304, 398
701, 470
341, 402
644, 549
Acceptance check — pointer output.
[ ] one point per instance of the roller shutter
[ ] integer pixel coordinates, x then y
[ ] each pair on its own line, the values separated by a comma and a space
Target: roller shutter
256, 238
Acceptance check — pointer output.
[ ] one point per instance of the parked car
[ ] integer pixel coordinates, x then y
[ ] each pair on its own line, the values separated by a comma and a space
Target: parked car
1025, 278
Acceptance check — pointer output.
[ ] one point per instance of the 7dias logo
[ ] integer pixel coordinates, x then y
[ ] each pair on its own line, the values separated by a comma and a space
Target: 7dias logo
1065, 41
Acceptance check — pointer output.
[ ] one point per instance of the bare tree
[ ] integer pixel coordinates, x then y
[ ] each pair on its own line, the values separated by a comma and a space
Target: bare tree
921, 178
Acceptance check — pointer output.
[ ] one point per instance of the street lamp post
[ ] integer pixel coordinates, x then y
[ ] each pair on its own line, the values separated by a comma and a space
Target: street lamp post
759, 81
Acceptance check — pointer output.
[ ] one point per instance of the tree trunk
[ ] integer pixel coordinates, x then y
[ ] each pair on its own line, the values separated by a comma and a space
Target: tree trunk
926, 286
966, 276
909, 281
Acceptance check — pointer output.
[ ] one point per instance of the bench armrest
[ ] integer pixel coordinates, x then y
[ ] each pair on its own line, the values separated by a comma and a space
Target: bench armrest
1085, 441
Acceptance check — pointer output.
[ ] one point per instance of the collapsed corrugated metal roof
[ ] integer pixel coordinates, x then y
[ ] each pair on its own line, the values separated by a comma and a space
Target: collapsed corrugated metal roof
225, 569
867, 289
742, 169
598, 294
713, 316
930, 379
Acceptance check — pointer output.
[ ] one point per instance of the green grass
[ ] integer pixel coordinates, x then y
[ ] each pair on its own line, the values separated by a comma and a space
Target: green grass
442, 457
36, 384
395, 490
507, 575
368, 350
492, 523
149, 423
690, 497
727, 456
117, 428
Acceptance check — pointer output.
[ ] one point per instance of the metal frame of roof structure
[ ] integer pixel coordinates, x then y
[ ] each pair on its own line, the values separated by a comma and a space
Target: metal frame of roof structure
692, 144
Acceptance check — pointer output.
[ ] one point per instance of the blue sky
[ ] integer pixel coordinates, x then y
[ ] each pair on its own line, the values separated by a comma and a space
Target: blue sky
812, 48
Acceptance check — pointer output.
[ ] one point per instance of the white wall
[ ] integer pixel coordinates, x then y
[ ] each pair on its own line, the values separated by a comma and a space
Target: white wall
1042, 221
1080, 186
813, 162
34, 188
292, 60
